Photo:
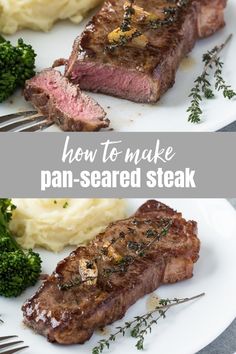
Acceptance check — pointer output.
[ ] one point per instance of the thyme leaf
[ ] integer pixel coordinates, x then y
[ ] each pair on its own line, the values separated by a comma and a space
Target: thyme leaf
127, 19
203, 87
140, 326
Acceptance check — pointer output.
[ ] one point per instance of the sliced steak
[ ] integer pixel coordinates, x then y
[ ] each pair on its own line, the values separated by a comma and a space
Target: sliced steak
63, 103
110, 276
131, 72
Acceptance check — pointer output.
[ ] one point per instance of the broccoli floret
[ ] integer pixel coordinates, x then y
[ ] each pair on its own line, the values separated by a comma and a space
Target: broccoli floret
18, 269
7, 242
6, 209
17, 64
34, 266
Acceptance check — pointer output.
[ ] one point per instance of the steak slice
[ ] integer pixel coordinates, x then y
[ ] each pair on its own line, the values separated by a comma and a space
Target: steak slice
63, 103
67, 313
134, 73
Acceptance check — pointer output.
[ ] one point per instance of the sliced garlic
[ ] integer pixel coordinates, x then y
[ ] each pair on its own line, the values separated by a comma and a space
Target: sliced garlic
141, 15
111, 252
117, 35
140, 41
87, 272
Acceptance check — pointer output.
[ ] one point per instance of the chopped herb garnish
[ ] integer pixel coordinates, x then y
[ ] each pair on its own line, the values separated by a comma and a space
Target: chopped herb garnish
65, 205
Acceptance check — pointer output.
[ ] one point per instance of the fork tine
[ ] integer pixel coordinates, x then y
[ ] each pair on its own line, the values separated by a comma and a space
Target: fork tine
5, 345
11, 125
8, 117
38, 127
12, 351
7, 337
29, 121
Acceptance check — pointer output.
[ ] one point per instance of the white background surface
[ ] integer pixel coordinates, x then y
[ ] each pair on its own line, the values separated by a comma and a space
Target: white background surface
187, 328
169, 114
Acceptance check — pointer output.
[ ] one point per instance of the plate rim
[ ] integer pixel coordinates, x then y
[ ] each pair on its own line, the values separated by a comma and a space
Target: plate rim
226, 323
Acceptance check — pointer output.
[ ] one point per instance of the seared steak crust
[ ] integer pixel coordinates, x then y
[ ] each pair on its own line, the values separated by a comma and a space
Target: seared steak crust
140, 74
71, 316
63, 103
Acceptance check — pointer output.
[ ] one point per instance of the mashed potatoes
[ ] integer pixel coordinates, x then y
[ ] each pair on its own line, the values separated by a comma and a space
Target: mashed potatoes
41, 14
56, 223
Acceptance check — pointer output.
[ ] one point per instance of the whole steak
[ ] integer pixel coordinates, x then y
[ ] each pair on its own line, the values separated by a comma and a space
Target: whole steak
140, 74
95, 285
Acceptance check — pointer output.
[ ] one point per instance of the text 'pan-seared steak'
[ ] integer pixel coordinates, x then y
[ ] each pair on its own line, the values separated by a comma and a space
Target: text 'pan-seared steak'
140, 74
95, 285
63, 103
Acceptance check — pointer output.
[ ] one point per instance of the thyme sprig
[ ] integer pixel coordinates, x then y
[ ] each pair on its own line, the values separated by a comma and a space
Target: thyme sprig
140, 326
203, 87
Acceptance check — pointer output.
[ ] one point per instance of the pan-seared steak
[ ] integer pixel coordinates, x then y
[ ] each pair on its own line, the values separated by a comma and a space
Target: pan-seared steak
112, 273
63, 103
131, 72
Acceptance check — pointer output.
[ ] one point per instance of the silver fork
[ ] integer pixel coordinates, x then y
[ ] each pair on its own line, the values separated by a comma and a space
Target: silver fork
28, 121
5, 343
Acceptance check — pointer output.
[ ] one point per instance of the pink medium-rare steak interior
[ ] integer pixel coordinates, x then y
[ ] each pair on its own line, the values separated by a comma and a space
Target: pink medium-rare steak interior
71, 315
117, 81
70, 100
54, 95
140, 74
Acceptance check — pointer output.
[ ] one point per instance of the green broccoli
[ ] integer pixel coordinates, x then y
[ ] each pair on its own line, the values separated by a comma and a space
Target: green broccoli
18, 269
17, 64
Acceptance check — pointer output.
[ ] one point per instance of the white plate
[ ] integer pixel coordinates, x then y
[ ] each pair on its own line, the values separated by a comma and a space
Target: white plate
169, 114
187, 328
